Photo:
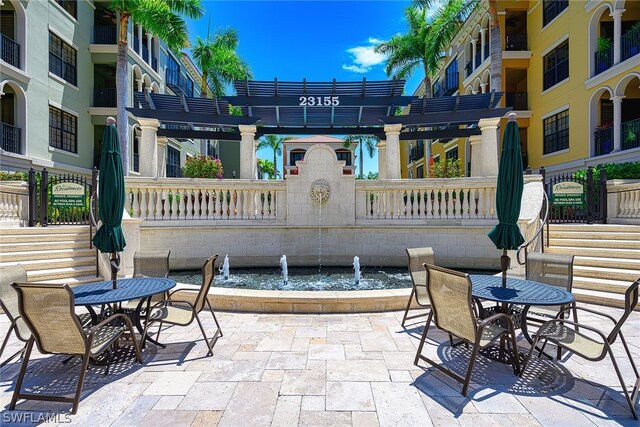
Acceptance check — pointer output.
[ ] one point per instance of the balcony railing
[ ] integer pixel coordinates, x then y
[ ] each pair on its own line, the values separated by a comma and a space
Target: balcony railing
179, 83
468, 68
105, 34
104, 97
630, 134
517, 100
630, 44
603, 141
10, 51
136, 44
603, 60
154, 63
446, 85
10, 138
516, 42
145, 54
478, 58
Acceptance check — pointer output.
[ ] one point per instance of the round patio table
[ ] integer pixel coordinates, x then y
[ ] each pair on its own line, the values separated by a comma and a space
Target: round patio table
142, 288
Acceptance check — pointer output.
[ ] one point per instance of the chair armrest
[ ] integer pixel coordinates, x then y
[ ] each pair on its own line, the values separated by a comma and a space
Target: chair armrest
496, 316
170, 301
183, 290
106, 321
569, 322
589, 311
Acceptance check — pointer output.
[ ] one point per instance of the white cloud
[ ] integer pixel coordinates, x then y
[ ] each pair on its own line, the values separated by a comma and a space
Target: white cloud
364, 58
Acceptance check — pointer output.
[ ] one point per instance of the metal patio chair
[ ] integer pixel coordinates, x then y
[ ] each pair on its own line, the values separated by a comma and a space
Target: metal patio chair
417, 258
48, 311
182, 313
594, 346
452, 311
149, 264
9, 303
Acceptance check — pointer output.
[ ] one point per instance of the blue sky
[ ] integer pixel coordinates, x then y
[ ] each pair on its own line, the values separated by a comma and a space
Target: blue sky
317, 40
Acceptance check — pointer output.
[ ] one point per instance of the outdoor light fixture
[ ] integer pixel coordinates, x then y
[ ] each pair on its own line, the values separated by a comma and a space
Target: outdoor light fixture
233, 174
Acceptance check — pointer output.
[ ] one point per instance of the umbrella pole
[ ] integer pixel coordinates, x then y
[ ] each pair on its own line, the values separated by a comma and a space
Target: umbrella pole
114, 269
504, 263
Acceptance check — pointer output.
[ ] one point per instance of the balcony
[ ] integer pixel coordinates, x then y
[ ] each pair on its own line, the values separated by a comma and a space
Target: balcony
105, 34
446, 85
179, 83
478, 58
517, 100
630, 44
603, 141
9, 51
145, 54
136, 44
468, 69
515, 42
603, 60
104, 97
10, 138
630, 137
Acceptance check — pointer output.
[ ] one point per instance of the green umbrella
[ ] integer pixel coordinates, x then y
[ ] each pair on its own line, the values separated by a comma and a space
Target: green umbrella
506, 235
109, 237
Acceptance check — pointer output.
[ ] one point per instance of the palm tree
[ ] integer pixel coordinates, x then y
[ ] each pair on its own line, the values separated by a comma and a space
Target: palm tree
219, 62
275, 143
162, 18
368, 141
266, 167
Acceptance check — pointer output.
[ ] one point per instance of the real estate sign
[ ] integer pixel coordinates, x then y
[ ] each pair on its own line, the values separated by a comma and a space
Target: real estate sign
567, 193
67, 194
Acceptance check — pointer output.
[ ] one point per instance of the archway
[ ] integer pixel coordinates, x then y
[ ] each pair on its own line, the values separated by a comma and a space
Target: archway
628, 92
13, 117
601, 122
601, 40
14, 34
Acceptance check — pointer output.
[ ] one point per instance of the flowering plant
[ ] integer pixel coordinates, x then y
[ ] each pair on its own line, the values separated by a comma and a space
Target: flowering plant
203, 167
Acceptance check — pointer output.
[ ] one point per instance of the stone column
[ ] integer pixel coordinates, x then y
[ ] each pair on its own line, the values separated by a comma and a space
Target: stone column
483, 43
617, 34
382, 159
617, 122
161, 152
475, 142
140, 84
150, 48
474, 48
140, 40
148, 147
483, 87
248, 167
488, 151
392, 157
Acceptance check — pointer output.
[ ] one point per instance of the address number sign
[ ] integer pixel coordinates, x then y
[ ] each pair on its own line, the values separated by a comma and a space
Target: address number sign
319, 101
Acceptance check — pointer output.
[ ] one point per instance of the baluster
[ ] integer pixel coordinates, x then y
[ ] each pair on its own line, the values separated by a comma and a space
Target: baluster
480, 203
188, 204
144, 213
181, 204
465, 205
225, 204
492, 202
196, 203
218, 205
175, 201
210, 204
135, 203
635, 213
242, 204
157, 214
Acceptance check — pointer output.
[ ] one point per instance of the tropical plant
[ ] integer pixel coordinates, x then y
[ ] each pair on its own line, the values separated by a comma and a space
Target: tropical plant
13, 176
372, 175
273, 142
202, 167
449, 168
627, 170
163, 18
368, 141
219, 62
604, 45
266, 168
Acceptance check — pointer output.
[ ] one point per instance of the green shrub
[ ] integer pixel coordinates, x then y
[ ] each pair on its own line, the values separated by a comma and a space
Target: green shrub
628, 170
13, 176
202, 167
450, 168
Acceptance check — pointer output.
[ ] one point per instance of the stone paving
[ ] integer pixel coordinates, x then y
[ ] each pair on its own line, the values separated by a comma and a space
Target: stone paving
324, 370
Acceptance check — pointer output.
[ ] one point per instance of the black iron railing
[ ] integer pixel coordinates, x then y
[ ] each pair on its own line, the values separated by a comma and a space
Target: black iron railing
603, 141
104, 97
179, 83
9, 51
630, 44
516, 41
136, 44
630, 137
478, 57
10, 138
145, 54
446, 85
603, 60
517, 100
154, 63
105, 34
468, 68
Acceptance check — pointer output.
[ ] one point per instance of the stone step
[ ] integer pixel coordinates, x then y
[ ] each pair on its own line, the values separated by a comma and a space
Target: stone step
623, 263
74, 281
595, 252
596, 228
612, 286
52, 229
38, 264
596, 243
605, 273
43, 246
26, 255
599, 298
60, 273
58, 237
590, 235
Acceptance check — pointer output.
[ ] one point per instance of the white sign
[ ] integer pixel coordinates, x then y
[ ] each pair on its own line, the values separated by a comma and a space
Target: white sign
319, 101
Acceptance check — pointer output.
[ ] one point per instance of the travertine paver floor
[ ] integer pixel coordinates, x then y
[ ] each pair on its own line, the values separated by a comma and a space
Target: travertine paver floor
325, 370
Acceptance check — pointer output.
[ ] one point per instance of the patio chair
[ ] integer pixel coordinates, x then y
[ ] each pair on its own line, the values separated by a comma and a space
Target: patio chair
452, 311
48, 311
9, 304
149, 264
182, 313
418, 257
594, 346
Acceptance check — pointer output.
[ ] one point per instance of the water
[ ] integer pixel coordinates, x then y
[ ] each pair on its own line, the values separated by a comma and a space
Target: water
224, 268
356, 269
285, 269
320, 240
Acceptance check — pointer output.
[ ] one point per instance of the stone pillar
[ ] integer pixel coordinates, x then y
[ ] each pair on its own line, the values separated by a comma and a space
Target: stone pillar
392, 157
382, 159
483, 43
474, 48
475, 142
617, 34
140, 40
150, 48
161, 152
488, 151
140, 84
483, 87
617, 122
248, 167
148, 147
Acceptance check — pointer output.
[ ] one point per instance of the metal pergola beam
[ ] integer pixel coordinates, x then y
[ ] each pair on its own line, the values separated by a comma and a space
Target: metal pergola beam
319, 131
439, 134
199, 134
294, 101
448, 117
193, 117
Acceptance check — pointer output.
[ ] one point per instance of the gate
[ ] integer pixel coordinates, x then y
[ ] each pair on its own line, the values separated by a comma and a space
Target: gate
577, 199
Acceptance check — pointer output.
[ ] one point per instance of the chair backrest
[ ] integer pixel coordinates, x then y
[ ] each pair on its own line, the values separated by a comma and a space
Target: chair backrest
208, 272
630, 303
450, 294
9, 297
551, 269
417, 258
151, 263
48, 310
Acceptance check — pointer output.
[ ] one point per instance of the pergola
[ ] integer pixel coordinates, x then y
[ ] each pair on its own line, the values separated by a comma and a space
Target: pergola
325, 108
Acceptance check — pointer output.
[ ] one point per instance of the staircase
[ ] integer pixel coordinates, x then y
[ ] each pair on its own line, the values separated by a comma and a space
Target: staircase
607, 259
54, 254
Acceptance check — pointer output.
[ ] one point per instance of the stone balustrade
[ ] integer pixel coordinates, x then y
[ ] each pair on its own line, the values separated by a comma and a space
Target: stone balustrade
623, 201
14, 199
205, 199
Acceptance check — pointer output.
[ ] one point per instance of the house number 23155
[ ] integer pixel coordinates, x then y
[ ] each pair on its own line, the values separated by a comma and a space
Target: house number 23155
319, 101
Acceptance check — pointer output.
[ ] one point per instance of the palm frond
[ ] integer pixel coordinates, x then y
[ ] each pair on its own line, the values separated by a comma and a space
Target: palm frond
190, 8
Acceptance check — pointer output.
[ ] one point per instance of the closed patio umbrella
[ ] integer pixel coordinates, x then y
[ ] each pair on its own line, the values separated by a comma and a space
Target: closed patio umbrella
506, 235
109, 237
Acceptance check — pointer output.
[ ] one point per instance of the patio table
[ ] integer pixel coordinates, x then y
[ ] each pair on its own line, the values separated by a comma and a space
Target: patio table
142, 288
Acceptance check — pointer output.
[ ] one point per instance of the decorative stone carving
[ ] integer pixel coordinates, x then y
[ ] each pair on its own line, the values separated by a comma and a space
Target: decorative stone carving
320, 191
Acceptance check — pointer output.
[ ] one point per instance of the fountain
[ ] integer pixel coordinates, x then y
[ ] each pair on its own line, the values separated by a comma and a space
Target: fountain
224, 268
356, 268
319, 193
285, 270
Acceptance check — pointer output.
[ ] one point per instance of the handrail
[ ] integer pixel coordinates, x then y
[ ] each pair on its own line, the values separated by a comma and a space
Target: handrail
538, 231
